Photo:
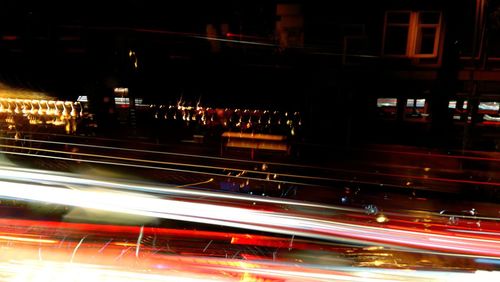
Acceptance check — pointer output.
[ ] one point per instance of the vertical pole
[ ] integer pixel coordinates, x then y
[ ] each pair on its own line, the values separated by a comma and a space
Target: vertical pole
473, 99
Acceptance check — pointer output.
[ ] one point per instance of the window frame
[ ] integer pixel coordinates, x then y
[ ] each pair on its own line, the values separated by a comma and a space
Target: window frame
414, 27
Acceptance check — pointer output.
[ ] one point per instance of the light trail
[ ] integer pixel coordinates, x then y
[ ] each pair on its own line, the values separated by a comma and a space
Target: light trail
291, 224
164, 169
28, 175
195, 184
197, 269
437, 155
76, 249
263, 173
434, 155
19, 263
167, 153
274, 164
280, 181
236, 41
139, 241
22, 174
24, 239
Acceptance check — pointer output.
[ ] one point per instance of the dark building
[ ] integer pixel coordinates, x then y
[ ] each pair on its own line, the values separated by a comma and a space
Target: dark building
414, 72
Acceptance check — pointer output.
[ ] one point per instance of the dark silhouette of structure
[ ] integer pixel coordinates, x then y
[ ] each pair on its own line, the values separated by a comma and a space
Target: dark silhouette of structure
414, 72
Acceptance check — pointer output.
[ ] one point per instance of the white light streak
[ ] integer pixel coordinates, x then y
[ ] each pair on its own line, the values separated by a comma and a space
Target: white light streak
139, 239
292, 224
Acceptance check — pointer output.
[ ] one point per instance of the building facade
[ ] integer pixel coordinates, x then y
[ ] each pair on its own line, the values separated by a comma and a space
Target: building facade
420, 72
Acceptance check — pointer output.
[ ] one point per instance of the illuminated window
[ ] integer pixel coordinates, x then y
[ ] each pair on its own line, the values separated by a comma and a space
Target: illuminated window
122, 100
415, 103
82, 99
412, 34
489, 106
387, 102
489, 111
416, 109
138, 102
387, 107
458, 109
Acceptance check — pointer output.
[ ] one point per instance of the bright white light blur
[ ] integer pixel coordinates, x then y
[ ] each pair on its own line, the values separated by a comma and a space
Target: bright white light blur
41, 271
54, 271
292, 224
381, 218
19, 174
14, 267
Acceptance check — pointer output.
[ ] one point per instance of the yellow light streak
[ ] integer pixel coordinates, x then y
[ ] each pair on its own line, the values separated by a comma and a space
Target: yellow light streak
29, 240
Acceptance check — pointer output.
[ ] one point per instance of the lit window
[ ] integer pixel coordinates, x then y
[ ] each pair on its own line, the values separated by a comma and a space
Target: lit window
415, 103
416, 108
412, 34
122, 100
489, 106
82, 99
387, 107
489, 111
138, 102
453, 104
387, 102
459, 110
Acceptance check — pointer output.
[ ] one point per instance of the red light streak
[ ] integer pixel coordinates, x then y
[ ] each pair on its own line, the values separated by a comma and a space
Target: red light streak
10, 37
